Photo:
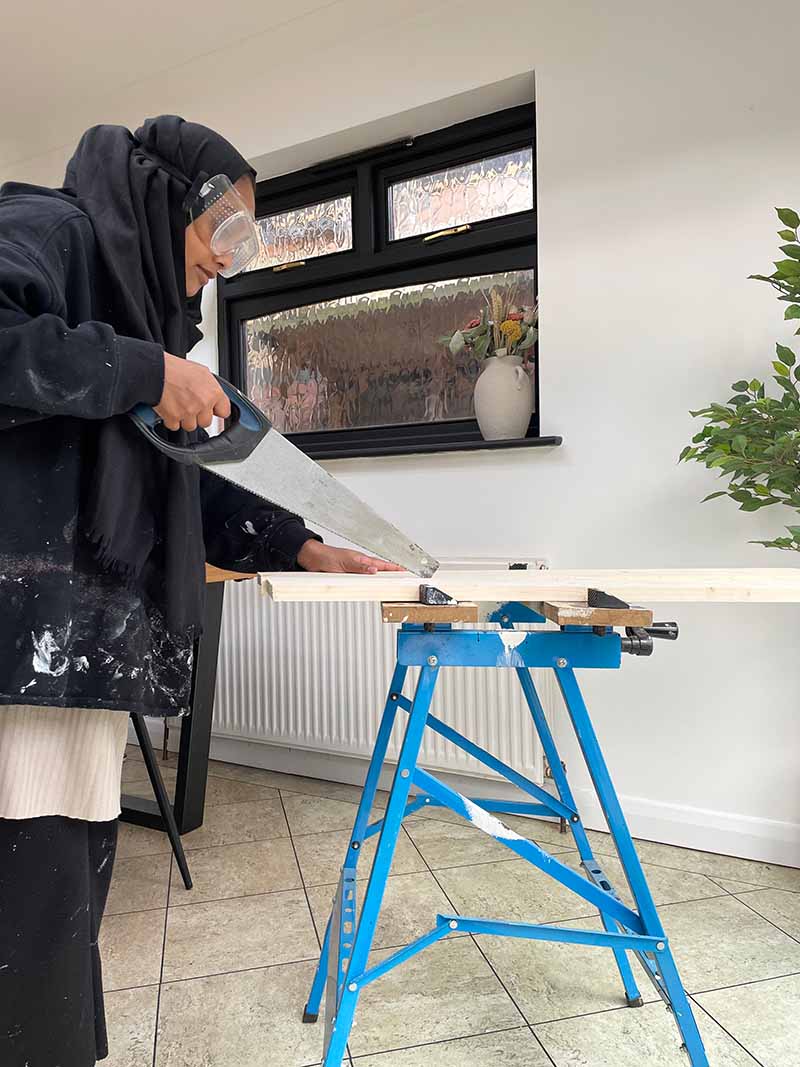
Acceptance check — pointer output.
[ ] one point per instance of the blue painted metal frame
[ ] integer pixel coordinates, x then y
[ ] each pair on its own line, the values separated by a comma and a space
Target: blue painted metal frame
343, 967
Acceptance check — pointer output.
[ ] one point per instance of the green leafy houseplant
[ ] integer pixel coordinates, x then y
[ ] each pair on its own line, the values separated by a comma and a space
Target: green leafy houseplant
754, 439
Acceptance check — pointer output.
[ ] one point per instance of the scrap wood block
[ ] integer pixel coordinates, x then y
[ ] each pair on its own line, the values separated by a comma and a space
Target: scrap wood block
412, 611
216, 574
575, 613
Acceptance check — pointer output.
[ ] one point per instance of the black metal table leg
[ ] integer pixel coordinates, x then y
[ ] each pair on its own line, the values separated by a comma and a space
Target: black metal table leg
162, 799
190, 789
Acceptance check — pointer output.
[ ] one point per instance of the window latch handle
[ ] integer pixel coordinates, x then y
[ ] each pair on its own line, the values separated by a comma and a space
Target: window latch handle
449, 232
288, 266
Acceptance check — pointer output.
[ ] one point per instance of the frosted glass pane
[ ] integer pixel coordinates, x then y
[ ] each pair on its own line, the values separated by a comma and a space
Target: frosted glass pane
375, 359
471, 192
306, 232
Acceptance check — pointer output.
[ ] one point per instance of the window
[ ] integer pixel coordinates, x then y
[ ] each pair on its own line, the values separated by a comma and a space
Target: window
368, 264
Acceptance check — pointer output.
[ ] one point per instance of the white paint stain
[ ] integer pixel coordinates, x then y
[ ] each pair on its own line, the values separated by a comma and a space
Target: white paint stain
45, 647
81, 663
511, 640
249, 528
30, 683
484, 820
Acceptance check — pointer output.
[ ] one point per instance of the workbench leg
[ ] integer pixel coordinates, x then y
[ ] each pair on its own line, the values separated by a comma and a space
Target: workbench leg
632, 994
667, 978
195, 746
311, 1013
342, 1018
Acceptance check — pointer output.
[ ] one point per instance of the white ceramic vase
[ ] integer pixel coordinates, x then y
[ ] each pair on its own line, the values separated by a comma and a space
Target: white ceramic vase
503, 398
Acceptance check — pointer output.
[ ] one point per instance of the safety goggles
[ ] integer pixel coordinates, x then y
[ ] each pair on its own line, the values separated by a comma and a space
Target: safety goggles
224, 220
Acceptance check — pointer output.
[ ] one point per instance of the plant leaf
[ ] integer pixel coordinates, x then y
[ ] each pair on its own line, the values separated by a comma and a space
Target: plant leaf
786, 355
713, 496
792, 250
740, 387
787, 235
787, 267
792, 312
788, 217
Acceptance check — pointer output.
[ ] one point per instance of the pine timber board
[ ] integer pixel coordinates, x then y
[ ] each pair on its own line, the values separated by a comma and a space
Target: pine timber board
757, 585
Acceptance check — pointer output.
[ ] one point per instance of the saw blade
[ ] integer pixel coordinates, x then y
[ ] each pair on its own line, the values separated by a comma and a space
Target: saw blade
278, 472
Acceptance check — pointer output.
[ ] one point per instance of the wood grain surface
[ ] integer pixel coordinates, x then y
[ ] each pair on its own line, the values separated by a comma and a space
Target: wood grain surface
757, 585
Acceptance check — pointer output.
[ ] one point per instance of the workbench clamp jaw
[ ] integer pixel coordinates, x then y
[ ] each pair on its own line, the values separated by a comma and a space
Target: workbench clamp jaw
638, 640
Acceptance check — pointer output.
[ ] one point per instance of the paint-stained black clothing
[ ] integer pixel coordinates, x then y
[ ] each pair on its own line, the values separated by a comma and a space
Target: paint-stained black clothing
75, 632
54, 879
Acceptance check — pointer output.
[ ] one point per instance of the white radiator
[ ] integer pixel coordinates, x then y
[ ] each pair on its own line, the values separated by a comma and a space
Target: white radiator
315, 677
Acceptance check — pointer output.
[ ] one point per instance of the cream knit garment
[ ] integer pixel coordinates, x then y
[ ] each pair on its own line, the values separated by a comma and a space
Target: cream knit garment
61, 761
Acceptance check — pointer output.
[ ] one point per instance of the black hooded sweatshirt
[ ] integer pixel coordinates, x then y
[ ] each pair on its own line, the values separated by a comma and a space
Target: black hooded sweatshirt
102, 539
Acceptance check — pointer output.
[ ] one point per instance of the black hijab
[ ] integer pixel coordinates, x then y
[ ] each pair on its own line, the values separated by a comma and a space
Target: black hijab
142, 511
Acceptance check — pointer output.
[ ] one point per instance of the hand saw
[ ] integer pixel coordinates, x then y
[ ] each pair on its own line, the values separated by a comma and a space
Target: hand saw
252, 454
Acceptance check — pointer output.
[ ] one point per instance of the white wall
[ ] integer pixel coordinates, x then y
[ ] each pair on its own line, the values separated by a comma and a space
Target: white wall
665, 137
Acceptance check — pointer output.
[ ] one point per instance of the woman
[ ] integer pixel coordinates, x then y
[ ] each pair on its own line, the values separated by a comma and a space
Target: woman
103, 540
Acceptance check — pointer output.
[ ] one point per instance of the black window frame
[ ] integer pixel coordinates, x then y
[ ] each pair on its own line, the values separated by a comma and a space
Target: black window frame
490, 246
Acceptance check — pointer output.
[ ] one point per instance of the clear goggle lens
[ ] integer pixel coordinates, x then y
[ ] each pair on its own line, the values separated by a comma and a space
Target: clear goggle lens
227, 224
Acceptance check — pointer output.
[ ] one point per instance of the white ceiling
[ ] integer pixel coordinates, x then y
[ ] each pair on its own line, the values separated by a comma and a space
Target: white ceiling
61, 59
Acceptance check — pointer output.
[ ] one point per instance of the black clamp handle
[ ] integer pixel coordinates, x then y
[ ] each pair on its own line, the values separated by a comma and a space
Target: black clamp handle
639, 639
248, 426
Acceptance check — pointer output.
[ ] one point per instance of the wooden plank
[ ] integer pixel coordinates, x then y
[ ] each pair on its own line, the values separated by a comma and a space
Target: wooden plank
758, 585
215, 574
572, 614
416, 612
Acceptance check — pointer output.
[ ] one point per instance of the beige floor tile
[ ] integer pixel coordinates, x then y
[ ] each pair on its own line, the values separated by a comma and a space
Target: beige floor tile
293, 783
321, 856
764, 1017
451, 845
232, 935
769, 875
552, 981
780, 907
140, 883
131, 1022
548, 831
139, 841
238, 871
233, 824
447, 991
720, 942
511, 889
633, 1037
667, 886
130, 948
218, 790
133, 770
249, 1019
315, 815
511, 1048
409, 910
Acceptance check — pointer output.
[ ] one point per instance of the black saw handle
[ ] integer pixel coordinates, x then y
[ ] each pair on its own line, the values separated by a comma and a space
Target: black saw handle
247, 428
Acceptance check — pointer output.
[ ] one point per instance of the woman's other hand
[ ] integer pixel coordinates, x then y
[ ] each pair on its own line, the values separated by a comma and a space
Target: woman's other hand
314, 556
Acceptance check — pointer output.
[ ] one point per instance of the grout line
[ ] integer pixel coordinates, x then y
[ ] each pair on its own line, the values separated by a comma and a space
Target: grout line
746, 982
488, 962
735, 1040
766, 919
163, 954
439, 1041
302, 879
240, 970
